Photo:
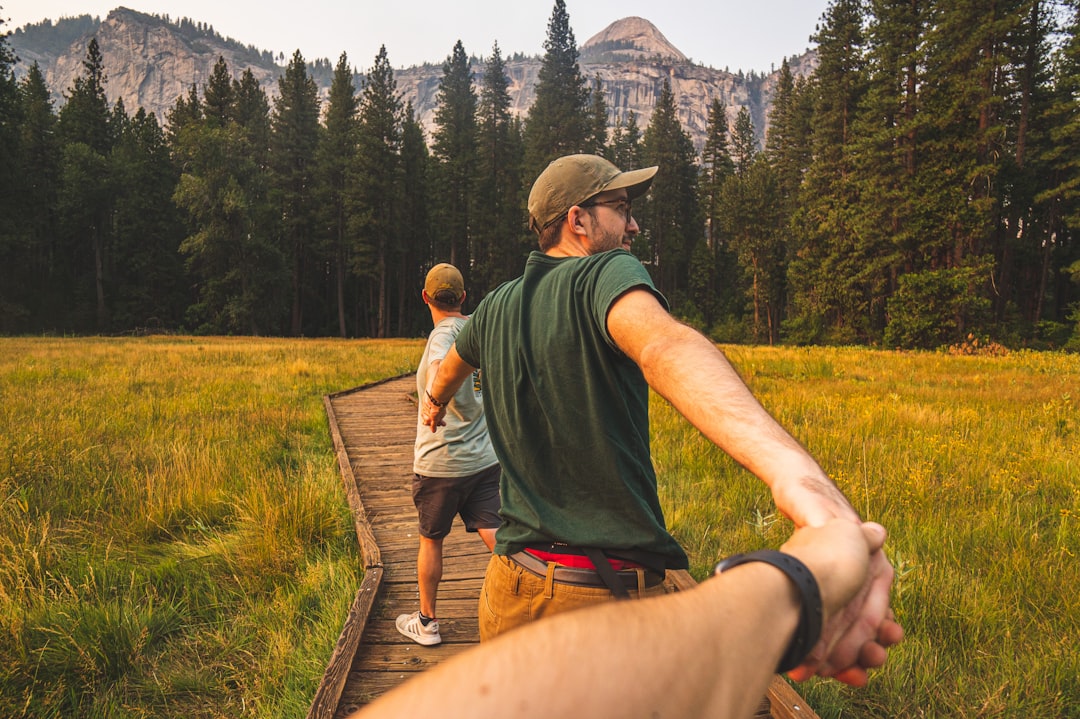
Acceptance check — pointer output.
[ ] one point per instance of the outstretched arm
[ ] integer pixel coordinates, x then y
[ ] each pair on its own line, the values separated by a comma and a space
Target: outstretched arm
452, 371
710, 651
689, 371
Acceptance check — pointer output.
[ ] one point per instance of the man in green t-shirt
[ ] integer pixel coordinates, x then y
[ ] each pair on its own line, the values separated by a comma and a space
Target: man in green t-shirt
569, 351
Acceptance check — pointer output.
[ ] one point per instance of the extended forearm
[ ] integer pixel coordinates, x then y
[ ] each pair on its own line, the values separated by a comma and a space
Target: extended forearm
451, 372
691, 373
707, 652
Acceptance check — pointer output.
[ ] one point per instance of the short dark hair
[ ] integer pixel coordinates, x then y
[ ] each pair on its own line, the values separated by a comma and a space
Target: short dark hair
549, 236
445, 300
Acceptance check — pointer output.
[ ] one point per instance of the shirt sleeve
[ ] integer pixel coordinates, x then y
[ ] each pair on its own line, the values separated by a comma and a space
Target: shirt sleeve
440, 341
620, 273
466, 338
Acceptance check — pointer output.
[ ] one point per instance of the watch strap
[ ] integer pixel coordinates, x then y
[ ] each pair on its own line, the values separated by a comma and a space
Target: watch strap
810, 612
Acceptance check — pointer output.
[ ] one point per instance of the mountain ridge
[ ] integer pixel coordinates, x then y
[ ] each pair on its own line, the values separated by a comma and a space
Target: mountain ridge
151, 60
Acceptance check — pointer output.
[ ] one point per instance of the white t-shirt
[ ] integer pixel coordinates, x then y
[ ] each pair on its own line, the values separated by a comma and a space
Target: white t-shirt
462, 447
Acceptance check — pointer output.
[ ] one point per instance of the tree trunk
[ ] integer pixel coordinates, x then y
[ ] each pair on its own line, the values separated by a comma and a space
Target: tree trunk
99, 281
297, 318
340, 272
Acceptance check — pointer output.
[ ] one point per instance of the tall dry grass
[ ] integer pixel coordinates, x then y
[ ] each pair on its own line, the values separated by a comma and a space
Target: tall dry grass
174, 539
973, 464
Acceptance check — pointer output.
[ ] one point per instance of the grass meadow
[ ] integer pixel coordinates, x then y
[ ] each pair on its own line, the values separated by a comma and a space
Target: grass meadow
175, 542
174, 537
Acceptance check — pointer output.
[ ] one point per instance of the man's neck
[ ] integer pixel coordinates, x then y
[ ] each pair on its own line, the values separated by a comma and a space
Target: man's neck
569, 247
438, 315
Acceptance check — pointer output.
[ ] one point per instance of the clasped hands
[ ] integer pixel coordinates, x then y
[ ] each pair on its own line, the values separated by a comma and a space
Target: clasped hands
431, 415
860, 626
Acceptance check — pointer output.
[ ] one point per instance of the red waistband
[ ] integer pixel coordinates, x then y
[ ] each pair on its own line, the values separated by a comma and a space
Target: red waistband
579, 561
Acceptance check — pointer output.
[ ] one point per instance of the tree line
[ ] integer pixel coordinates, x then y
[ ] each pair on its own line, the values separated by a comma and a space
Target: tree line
921, 187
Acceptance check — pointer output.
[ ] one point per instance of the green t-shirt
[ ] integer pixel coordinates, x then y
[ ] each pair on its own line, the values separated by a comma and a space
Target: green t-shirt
567, 411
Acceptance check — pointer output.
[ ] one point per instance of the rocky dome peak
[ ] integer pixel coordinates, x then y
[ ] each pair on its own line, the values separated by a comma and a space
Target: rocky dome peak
632, 38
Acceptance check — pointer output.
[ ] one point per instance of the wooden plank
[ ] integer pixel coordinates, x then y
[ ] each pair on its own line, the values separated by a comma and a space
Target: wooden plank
374, 429
786, 703
328, 695
409, 657
369, 549
362, 688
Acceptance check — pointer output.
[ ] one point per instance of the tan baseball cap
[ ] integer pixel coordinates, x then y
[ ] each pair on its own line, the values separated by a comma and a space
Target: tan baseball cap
571, 180
444, 284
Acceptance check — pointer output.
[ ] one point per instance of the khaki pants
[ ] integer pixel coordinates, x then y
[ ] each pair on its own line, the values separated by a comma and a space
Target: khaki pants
512, 596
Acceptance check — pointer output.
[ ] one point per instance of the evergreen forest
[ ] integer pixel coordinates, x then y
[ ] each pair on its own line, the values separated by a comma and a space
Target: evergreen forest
920, 190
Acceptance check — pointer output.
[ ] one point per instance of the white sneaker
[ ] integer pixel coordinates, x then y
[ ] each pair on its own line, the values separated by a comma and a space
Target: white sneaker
411, 626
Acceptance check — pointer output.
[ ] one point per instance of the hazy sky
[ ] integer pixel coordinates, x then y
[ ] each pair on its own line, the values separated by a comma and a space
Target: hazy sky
735, 34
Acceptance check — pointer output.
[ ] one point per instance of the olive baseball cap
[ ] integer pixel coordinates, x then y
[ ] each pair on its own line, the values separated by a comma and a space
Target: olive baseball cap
571, 180
444, 284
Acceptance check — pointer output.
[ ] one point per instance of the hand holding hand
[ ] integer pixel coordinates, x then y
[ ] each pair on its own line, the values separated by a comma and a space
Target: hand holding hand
859, 623
431, 415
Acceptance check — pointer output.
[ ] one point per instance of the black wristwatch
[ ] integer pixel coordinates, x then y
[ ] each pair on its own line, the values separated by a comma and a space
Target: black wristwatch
434, 401
810, 613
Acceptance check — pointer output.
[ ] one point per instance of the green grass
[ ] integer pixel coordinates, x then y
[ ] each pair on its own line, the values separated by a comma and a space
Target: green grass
973, 464
175, 542
174, 539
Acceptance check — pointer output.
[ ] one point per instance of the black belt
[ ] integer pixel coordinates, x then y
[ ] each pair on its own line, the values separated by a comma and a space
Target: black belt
581, 577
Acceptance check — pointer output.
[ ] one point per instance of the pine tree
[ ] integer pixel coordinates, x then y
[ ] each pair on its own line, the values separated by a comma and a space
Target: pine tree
751, 217
265, 272
336, 155
744, 146
1064, 115
787, 152
716, 167
1060, 195
219, 104
964, 149
455, 151
376, 186
413, 251
148, 276
597, 139
499, 246
823, 260
231, 251
186, 112
714, 279
889, 146
787, 143
86, 196
13, 252
558, 120
966, 49
293, 142
33, 202
626, 151
670, 219
1027, 233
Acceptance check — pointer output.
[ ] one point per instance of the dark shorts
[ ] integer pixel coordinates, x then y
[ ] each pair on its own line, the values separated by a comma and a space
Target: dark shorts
439, 499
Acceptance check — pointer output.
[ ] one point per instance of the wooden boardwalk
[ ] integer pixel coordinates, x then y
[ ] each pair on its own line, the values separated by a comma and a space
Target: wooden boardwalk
373, 429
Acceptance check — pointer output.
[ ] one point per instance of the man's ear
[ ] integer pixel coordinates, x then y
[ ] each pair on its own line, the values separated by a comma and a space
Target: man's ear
575, 218
424, 297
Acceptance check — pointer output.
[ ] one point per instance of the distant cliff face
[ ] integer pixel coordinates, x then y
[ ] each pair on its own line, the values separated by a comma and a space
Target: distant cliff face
149, 62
